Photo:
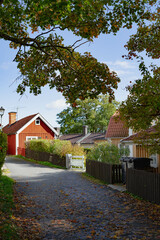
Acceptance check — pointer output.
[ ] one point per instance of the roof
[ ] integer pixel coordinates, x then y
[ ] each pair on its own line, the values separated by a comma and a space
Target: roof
72, 137
141, 134
19, 125
116, 127
13, 128
83, 139
92, 137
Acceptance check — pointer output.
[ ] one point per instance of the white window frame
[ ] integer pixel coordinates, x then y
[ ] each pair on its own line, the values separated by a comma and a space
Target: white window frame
28, 138
37, 120
154, 162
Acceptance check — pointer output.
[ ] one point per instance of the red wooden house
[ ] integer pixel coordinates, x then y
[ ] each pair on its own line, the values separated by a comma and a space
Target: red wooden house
31, 127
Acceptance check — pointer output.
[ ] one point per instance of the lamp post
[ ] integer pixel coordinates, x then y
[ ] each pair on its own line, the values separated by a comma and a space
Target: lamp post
1, 114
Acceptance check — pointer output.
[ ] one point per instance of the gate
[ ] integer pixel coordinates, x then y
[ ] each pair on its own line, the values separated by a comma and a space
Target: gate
74, 161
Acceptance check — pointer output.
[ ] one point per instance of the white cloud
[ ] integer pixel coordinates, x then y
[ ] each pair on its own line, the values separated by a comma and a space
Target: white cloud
57, 104
122, 68
124, 64
121, 64
121, 72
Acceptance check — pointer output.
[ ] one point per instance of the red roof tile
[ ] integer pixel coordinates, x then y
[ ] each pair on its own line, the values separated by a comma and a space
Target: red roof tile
13, 128
116, 127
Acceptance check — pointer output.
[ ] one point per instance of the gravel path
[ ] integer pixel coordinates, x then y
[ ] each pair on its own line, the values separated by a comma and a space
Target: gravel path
68, 206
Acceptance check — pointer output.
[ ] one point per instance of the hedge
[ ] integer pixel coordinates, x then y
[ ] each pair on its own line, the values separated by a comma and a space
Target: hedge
3, 149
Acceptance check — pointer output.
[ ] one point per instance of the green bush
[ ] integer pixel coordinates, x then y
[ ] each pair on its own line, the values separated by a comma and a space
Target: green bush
59, 147
105, 152
39, 145
3, 149
87, 150
77, 150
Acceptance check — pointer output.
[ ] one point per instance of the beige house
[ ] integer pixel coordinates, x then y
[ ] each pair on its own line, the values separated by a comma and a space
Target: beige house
138, 150
118, 134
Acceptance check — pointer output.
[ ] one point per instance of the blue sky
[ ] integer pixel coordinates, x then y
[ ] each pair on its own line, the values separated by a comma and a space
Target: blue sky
106, 48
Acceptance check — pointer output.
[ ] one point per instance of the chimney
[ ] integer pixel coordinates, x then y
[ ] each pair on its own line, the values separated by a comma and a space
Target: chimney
12, 117
85, 130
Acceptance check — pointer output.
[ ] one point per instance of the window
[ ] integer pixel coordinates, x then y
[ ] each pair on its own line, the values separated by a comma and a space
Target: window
37, 122
124, 150
154, 162
28, 138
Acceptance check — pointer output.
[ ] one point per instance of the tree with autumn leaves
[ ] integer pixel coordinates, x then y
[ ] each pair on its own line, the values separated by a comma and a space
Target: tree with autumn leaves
34, 28
141, 110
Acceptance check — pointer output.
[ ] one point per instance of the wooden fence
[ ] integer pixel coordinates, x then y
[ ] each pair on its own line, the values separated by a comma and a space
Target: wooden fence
46, 157
144, 184
109, 173
21, 151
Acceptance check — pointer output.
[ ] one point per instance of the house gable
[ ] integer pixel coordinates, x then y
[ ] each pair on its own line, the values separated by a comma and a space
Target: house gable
34, 128
45, 124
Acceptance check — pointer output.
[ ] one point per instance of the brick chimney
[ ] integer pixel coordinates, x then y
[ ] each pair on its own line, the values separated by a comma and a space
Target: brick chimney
12, 117
85, 130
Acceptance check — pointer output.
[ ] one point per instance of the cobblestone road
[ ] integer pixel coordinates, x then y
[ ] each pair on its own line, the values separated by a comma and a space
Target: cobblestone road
68, 206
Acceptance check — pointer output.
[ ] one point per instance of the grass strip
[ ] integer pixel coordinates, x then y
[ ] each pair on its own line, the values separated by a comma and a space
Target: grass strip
93, 179
7, 227
48, 164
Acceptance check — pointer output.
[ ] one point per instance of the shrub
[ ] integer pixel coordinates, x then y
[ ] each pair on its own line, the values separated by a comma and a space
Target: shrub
105, 152
87, 150
77, 150
3, 149
40, 145
59, 147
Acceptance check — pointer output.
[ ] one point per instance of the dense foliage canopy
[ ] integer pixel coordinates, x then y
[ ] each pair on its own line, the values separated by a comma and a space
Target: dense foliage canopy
141, 110
35, 28
95, 113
